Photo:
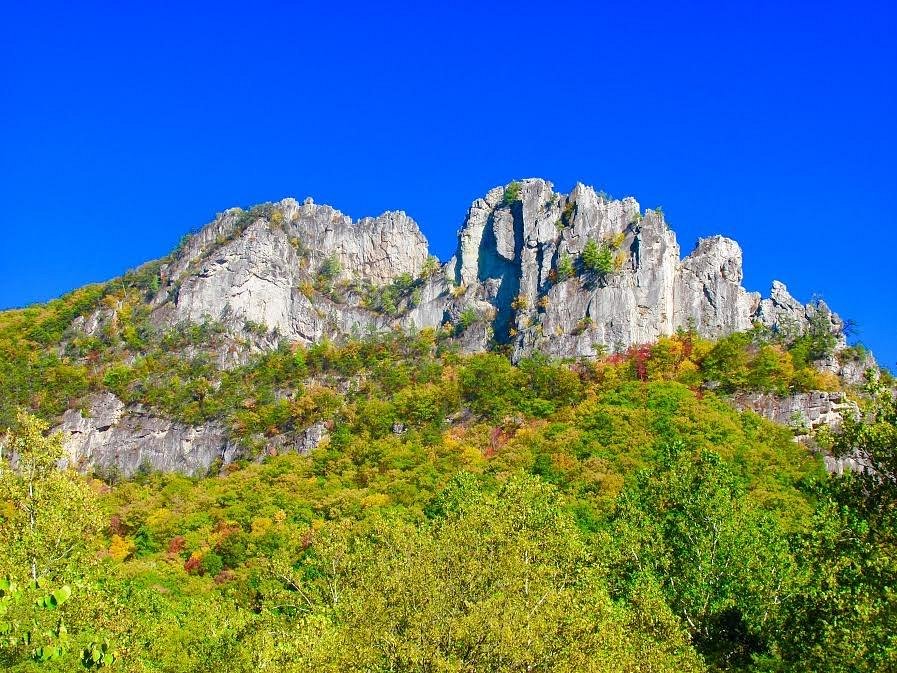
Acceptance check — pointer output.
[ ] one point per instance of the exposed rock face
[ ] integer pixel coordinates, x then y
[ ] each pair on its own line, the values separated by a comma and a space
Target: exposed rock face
261, 270
805, 413
261, 273
302, 442
801, 411
784, 313
512, 251
846, 464
128, 439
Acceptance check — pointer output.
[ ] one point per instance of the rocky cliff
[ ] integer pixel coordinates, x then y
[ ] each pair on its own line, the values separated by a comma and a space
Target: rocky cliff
306, 271
569, 275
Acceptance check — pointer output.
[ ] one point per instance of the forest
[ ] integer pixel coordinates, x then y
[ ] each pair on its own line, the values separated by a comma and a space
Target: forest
463, 514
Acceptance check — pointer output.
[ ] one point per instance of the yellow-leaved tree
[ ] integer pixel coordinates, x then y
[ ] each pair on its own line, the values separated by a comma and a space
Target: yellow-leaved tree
47, 518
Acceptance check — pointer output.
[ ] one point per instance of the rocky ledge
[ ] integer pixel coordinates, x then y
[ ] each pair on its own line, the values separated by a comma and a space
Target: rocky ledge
110, 437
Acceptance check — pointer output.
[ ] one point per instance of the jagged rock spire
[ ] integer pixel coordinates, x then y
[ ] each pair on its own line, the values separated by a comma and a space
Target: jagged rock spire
513, 247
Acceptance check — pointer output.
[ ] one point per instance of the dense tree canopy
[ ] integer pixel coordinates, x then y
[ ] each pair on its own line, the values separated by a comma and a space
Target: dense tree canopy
464, 513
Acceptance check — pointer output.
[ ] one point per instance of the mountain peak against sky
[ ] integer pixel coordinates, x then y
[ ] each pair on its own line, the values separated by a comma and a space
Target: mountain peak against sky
380, 383
763, 142
569, 275
579, 277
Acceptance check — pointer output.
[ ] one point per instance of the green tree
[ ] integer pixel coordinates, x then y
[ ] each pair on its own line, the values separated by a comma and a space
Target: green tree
548, 382
51, 513
771, 370
873, 438
48, 517
565, 267
512, 193
841, 614
597, 258
493, 582
841, 617
722, 564
728, 362
818, 340
491, 385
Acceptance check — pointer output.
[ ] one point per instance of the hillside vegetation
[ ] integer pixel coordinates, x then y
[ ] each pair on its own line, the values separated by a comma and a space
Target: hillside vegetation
463, 513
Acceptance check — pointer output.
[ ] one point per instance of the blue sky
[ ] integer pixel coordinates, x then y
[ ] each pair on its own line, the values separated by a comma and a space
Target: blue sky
772, 123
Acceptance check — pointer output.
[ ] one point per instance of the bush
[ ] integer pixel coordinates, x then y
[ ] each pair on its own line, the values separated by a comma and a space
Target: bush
211, 564
520, 303
818, 341
430, 267
565, 267
512, 193
491, 385
330, 269
567, 215
468, 317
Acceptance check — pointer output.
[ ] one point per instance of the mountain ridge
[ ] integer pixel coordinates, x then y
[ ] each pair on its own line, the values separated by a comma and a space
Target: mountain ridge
536, 273
304, 269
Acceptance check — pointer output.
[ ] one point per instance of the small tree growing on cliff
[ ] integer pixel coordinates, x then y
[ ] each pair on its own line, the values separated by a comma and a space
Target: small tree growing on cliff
597, 258
565, 267
512, 193
330, 268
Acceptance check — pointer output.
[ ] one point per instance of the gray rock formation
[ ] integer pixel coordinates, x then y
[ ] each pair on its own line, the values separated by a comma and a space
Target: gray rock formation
262, 269
845, 464
803, 412
785, 314
114, 437
261, 272
302, 442
806, 413
509, 255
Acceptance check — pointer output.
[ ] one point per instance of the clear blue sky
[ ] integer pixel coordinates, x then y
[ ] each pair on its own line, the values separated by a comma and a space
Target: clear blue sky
774, 123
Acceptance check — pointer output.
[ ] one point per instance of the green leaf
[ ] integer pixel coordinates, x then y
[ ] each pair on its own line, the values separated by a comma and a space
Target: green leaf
62, 594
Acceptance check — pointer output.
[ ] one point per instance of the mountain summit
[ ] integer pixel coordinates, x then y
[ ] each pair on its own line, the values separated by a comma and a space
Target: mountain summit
569, 275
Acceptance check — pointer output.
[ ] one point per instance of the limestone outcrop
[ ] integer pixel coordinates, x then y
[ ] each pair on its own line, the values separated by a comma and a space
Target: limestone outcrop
517, 266
111, 437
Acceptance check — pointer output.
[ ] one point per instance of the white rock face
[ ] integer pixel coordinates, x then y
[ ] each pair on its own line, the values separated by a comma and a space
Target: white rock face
260, 273
113, 436
512, 251
709, 291
240, 270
